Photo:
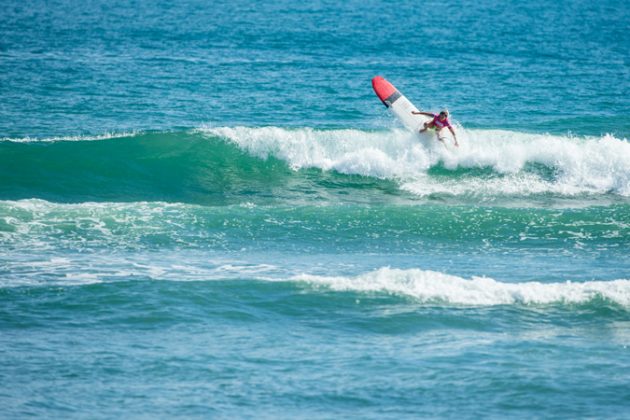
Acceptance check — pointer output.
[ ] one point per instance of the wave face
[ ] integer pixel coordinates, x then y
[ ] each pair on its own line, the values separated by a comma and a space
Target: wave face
177, 166
235, 164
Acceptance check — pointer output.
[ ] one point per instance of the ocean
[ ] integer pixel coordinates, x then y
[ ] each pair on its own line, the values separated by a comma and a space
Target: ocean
206, 212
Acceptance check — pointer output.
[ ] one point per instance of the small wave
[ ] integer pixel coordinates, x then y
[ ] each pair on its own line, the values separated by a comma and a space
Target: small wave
105, 136
423, 286
436, 287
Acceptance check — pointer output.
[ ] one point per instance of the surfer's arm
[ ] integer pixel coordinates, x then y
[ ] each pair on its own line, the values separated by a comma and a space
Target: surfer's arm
428, 114
454, 135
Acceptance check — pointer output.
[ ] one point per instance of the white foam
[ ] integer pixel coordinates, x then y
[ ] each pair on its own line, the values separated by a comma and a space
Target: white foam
82, 269
105, 136
432, 286
391, 154
32, 223
589, 165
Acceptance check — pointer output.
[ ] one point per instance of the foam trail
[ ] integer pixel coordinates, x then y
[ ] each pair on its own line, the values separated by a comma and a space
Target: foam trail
105, 136
431, 286
79, 270
574, 165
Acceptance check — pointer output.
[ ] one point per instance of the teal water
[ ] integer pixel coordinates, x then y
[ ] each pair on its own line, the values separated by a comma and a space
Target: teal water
205, 211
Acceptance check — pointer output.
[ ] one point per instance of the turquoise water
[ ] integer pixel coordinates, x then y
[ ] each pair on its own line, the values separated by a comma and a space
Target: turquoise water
205, 211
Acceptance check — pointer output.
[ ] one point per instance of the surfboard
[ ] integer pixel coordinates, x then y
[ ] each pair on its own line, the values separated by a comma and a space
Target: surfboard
398, 104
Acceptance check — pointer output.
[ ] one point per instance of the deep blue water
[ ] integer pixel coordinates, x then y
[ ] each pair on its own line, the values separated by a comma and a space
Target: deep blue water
205, 211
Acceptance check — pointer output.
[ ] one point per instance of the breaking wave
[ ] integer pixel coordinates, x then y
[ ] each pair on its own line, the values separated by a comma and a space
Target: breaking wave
229, 164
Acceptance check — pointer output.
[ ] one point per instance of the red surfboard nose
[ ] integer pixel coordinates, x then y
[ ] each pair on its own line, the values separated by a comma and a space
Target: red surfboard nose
384, 90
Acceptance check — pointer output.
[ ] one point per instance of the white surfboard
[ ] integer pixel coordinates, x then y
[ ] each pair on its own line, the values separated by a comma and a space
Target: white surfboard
398, 104
403, 108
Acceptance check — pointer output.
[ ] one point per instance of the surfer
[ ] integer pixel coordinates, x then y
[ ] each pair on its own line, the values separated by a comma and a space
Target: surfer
438, 122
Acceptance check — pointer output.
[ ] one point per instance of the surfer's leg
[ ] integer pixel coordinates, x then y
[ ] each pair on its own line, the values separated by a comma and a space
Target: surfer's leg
427, 125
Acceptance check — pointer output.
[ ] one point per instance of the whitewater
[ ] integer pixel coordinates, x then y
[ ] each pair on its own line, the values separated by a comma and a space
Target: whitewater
579, 165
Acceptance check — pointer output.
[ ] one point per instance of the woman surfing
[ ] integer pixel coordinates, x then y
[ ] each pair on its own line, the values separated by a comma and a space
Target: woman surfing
438, 122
